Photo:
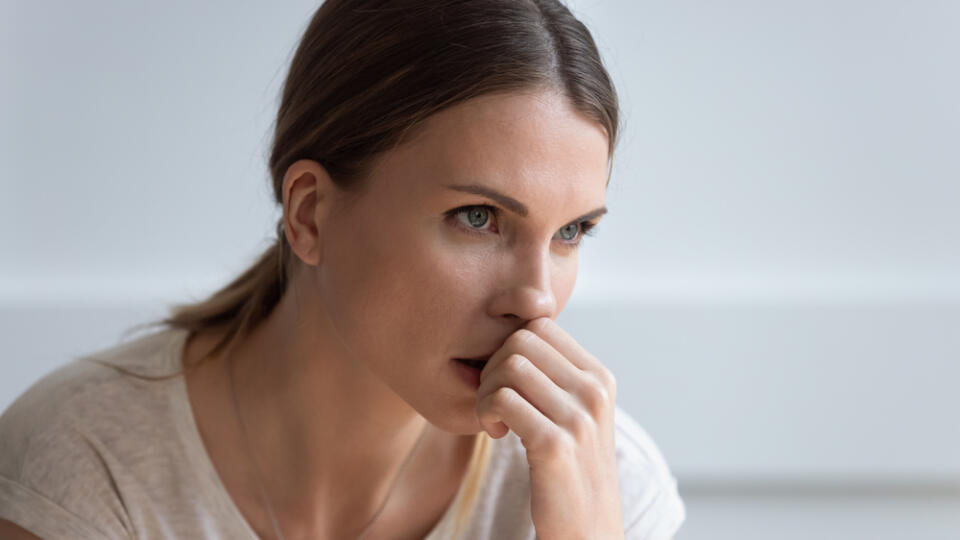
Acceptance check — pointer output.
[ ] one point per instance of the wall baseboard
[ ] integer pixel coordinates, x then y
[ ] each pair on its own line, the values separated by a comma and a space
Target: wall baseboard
775, 391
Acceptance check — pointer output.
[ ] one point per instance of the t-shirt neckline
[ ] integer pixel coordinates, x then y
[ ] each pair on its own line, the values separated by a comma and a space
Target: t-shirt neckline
213, 487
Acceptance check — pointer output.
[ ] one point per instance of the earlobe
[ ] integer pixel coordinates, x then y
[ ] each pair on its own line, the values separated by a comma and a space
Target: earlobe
307, 194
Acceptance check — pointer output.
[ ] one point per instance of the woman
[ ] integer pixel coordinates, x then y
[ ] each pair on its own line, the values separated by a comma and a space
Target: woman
390, 367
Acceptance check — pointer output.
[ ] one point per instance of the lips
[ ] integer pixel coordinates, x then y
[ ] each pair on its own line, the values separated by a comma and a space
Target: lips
476, 363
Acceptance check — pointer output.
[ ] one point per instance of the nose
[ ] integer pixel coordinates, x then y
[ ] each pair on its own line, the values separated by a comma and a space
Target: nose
527, 291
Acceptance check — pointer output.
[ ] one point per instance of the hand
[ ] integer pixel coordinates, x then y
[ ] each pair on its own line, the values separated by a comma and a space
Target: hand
559, 400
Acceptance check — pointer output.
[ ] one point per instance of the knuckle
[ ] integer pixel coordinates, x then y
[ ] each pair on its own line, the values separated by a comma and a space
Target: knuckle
515, 363
596, 397
581, 425
611, 384
556, 445
502, 399
539, 324
520, 337
608, 379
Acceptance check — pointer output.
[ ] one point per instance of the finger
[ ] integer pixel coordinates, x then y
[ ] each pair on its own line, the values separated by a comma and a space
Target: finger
558, 338
596, 393
533, 428
547, 359
524, 377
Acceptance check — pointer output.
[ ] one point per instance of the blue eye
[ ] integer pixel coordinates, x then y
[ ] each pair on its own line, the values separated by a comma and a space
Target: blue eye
477, 216
573, 231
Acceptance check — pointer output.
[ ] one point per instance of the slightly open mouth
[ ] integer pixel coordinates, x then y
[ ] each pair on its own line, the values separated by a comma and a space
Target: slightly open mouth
476, 364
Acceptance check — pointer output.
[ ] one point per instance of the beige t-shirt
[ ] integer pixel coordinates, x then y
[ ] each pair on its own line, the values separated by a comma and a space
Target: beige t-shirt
90, 453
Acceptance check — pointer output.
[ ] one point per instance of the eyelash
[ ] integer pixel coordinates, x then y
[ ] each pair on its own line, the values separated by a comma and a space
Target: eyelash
586, 227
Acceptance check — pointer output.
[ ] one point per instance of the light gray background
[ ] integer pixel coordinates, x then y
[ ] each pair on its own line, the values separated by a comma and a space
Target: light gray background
777, 285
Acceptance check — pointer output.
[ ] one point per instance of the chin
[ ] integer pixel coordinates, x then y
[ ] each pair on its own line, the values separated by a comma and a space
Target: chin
460, 421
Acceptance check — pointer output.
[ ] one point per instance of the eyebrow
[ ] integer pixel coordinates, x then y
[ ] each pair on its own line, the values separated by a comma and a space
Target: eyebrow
514, 205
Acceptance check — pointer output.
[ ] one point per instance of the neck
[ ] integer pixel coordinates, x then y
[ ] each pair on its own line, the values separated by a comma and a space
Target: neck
328, 436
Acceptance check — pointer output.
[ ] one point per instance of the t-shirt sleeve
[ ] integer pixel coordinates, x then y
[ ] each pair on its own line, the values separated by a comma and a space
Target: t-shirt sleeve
651, 505
54, 479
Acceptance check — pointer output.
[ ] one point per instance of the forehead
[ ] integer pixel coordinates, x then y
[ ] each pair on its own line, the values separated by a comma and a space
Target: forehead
533, 146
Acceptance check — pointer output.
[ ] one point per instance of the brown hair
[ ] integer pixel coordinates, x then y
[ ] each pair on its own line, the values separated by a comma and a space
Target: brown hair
366, 73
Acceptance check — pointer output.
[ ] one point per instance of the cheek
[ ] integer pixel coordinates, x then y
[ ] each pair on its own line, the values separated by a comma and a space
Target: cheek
354, 281
565, 278
432, 288
436, 297
390, 294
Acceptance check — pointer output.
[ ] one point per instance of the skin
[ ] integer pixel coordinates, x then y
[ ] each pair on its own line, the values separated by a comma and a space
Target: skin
336, 386
340, 380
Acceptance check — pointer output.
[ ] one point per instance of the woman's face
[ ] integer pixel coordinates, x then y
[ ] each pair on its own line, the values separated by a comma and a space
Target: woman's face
409, 282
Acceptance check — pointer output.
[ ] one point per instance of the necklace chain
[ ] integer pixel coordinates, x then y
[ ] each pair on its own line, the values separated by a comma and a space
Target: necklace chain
258, 474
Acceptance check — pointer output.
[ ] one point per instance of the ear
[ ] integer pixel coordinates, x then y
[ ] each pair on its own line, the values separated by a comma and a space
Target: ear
308, 193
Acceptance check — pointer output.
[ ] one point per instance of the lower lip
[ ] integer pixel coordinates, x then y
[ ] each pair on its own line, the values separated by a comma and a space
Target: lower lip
469, 375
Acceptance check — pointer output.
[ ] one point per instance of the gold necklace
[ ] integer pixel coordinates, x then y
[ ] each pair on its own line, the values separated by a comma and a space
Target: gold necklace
257, 474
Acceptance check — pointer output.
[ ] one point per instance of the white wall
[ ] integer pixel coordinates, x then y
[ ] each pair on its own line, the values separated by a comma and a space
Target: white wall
777, 285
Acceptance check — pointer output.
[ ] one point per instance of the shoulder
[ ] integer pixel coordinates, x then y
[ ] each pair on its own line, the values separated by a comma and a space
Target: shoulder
60, 441
84, 397
652, 507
